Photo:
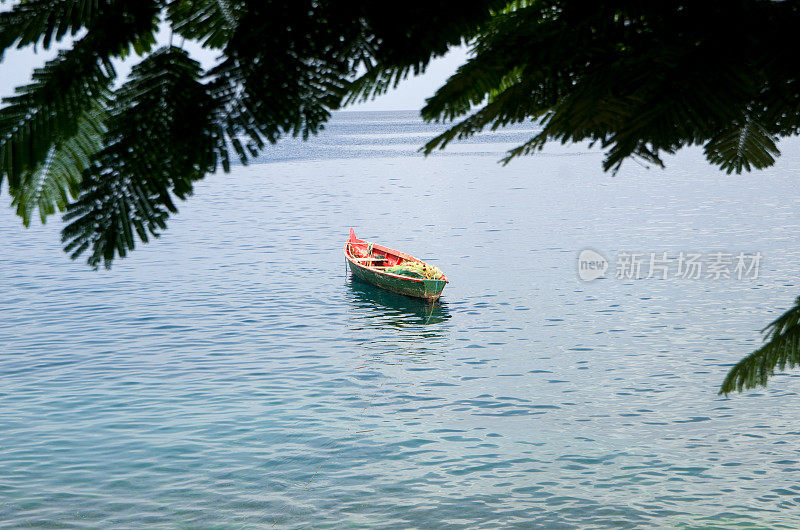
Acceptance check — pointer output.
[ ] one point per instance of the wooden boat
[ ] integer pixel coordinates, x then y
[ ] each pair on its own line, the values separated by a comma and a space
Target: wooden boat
369, 261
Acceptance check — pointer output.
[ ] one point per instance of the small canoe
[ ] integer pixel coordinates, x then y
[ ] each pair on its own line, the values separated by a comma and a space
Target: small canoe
372, 263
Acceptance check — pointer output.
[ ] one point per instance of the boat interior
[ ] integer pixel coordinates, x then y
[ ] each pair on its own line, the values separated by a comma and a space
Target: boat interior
371, 255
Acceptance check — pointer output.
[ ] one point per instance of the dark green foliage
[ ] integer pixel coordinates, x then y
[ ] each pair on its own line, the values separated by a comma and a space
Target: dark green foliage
405, 40
49, 110
52, 127
211, 23
116, 160
637, 78
45, 21
742, 145
112, 25
55, 181
781, 350
161, 137
287, 65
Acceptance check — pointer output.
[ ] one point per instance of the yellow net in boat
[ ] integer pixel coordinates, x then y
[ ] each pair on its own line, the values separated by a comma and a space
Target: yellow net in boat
416, 269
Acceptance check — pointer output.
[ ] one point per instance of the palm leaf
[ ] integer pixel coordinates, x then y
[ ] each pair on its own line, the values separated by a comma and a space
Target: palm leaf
212, 22
64, 94
56, 181
161, 138
113, 24
781, 350
638, 79
63, 97
378, 81
45, 21
742, 146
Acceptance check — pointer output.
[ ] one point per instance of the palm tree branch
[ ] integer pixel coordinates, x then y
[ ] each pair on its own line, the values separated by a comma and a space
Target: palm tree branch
781, 350
161, 138
742, 146
62, 97
55, 182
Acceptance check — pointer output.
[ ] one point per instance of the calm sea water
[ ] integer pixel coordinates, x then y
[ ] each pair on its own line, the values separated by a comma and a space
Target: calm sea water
233, 375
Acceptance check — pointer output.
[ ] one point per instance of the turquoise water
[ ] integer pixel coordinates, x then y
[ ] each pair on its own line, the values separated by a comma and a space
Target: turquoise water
232, 374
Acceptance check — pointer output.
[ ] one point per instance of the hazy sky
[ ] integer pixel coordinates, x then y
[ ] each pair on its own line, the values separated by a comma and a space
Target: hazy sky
17, 66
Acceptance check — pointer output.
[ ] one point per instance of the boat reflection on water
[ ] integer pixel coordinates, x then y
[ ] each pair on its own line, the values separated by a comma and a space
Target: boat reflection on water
395, 310
392, 328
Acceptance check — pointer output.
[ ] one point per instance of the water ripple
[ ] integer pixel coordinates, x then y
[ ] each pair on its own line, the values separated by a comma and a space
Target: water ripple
232, 374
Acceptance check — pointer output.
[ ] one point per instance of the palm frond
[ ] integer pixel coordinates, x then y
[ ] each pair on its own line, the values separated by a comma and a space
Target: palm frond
161, 138
56, 181
743, 146
65, 92
503, 109
398, 43
782, 350
45, 21
378, 81
212, 22
638, 79
276, 81
472, 83
63, 96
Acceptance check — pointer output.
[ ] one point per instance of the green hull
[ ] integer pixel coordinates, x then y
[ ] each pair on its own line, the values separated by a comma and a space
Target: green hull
426, 289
